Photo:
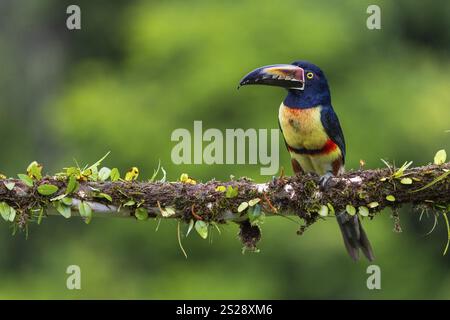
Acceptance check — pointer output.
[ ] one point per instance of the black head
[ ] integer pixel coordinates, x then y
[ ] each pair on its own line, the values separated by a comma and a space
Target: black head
305, 82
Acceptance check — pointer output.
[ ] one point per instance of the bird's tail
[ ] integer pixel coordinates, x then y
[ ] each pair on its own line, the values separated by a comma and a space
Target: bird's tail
355, 237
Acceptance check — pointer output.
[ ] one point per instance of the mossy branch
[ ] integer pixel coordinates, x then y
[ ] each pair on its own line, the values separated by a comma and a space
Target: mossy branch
370, 191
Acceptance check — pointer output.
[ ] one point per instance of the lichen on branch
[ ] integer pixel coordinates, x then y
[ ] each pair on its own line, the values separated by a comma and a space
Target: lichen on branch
93, 191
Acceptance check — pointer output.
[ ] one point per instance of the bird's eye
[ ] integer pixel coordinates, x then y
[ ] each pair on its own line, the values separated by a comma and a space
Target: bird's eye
310, 75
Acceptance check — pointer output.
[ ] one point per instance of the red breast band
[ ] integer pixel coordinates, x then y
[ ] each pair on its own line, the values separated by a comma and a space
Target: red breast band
327, 148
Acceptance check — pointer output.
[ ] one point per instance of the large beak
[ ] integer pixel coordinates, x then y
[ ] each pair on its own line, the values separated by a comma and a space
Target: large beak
280, 75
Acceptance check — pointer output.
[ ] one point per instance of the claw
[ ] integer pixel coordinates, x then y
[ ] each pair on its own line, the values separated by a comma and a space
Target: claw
324, 180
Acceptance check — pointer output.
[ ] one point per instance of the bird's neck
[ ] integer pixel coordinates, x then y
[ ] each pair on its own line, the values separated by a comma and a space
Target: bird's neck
298, 99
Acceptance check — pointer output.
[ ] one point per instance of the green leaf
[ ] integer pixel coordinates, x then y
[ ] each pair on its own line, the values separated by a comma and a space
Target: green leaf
163, 179
115, 174
155, 172
72, 184
25, 179
402, 169
221, 189
12, 214
441, 177
255, 215
91, 174
167, 212
67, 201
129, 203
406, 181
64, 210
331, 208
141, 214
373, 204
104, 174
5, 210
104, 195
242, 206
95, 165
94, 189
9, 185
323, 211
82, 208
231, 192
85, 211
252, 202
35, 170
202, 228
47, 189
350, 210
191, 226
440, 157
216, 226
363, 211
390, 198
72, 171
60, 197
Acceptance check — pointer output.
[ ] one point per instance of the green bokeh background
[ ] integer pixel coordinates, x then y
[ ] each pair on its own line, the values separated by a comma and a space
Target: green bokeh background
140, 69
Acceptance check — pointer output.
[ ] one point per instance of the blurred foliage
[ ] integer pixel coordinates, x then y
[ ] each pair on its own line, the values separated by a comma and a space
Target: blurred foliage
140, 69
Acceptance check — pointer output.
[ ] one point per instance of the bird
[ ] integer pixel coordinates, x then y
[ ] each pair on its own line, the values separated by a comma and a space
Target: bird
312, 134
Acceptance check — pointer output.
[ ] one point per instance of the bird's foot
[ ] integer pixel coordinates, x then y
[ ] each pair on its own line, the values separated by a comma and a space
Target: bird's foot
325, 180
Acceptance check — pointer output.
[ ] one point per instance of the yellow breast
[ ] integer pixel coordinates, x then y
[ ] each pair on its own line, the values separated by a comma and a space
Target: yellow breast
302, 128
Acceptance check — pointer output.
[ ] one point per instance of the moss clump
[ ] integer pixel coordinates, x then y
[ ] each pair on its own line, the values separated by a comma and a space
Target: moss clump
249, 235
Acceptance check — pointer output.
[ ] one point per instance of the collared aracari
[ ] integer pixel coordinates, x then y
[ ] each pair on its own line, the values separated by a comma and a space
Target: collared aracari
312, 133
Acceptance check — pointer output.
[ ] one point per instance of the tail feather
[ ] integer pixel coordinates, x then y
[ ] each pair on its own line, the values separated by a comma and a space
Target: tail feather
350, 245
365, 244
354, 236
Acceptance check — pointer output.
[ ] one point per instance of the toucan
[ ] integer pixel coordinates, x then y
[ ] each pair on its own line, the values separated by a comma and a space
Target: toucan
312, 134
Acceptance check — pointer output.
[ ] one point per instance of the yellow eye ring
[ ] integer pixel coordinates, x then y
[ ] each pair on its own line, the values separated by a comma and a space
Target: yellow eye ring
310, 75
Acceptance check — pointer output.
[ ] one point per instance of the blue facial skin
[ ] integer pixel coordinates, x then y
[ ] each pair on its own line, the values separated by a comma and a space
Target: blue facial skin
316, 91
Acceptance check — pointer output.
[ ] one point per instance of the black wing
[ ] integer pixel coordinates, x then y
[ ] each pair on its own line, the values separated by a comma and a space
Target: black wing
333, 128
